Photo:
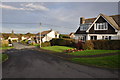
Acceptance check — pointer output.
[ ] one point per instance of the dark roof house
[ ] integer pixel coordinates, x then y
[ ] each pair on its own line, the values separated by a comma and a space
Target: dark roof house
102, 25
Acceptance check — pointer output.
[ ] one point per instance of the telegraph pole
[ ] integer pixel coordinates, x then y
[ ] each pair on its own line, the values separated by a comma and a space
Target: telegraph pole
40, 35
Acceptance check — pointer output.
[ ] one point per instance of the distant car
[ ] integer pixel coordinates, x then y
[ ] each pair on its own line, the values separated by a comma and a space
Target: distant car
29, 42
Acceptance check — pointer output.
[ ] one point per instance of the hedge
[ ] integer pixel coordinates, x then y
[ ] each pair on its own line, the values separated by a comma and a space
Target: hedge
64, 36
62, 42
102, 44
45, 44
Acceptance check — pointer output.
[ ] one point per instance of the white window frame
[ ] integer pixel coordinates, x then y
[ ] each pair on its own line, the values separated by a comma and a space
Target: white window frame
101, 26
82, 38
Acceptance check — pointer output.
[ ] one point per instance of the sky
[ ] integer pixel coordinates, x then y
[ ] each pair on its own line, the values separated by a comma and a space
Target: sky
23, 17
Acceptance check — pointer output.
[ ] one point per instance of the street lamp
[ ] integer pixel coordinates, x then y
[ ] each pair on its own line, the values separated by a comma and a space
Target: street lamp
40, 35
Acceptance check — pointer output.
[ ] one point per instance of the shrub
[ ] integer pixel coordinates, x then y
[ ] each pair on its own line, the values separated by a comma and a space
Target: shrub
4, 43
64, 36
72, 50
62, 42
88, 45
23, 42
45, 44
79, 45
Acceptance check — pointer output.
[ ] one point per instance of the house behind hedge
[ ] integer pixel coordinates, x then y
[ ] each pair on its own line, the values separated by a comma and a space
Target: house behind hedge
46, 35
102, 27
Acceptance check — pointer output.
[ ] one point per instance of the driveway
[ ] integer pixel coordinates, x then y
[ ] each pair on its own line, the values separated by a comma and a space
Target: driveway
31, 63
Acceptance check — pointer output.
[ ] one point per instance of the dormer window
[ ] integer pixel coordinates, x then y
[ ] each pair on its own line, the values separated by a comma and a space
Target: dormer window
101, 26
84, 27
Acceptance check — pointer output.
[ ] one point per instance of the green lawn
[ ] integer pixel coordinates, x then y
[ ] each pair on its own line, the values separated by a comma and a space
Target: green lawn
3, 57
6, 48
57, 48
106, 61
93, 52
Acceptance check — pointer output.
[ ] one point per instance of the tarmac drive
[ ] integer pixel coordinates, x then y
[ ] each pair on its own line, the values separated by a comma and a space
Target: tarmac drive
30, 63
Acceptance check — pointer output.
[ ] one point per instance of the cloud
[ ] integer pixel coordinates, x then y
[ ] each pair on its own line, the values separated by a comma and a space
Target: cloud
10, 7
29, 7
35, 6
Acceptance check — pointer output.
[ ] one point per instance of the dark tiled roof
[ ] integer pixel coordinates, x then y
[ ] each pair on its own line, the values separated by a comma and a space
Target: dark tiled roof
90, 20
44, 32
112, 21
13, 36
6, 35
116, 18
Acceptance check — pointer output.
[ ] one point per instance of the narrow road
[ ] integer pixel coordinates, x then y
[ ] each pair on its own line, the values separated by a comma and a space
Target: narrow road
21, 46
30, 63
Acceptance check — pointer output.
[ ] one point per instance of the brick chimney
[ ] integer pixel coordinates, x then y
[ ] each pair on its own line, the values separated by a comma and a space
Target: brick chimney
82, 20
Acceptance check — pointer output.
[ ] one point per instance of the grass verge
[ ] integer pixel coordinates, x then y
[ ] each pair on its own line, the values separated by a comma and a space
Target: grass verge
106, 61
5, 48
93, 52
57, 48
3, 57
111, 61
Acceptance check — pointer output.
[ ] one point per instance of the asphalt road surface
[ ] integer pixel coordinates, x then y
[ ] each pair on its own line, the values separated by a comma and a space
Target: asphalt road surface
30, 63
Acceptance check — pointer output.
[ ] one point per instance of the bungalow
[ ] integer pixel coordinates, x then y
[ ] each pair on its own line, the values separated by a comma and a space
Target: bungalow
47, 35
13, 38
102, 27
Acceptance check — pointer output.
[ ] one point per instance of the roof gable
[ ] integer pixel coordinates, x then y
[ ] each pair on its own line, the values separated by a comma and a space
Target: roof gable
108, 19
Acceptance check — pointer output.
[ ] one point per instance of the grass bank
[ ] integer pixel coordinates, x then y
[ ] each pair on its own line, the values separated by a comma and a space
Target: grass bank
5, 48
57, 48
93, 52
111, 61
105, 62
